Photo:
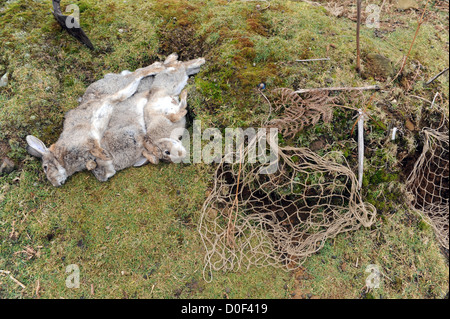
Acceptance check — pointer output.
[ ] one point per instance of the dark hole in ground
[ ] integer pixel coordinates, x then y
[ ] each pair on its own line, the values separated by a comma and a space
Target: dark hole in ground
182, 40
289, 211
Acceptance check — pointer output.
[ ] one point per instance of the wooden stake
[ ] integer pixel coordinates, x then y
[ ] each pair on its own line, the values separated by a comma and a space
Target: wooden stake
358, 24
360, 148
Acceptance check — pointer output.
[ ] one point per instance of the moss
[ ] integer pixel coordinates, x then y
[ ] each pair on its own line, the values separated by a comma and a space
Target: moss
381, 176
423, 226
146, 216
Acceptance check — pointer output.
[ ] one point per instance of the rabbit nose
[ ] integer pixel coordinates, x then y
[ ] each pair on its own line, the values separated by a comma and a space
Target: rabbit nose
180, 153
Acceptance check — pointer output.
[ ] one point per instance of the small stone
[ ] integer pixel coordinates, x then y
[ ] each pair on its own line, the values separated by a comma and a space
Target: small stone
4, 80
7, 166
317, 145
120, 30
378, 66
407, 4
409, 125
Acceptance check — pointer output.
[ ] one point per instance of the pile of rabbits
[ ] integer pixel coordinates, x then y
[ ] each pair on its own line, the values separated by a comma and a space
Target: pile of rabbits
123, 120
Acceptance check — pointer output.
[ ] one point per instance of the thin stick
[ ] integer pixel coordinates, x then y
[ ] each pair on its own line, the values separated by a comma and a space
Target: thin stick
358, 24
360, 148
153, 287
38, 287
311, 60
412, 43
17, 282
436, 76
420, 98
371, 87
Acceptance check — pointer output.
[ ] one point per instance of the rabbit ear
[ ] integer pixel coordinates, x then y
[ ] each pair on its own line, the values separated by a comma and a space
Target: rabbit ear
140, 162
193, 66
171, 58
35, 146
96, 150
151, 157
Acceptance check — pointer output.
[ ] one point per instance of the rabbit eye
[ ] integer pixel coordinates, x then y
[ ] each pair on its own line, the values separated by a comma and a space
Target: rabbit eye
180, 137
45, 168
167, 152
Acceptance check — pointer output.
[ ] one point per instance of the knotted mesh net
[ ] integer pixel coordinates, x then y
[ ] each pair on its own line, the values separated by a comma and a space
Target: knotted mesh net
428, 181
252, 217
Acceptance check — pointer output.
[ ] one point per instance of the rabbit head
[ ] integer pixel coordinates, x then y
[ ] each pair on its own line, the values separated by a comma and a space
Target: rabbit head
51, 162
172, 150
165, 149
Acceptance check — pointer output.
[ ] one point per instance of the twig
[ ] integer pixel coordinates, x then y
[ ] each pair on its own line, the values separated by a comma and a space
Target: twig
17, 282
371, 87
153, 287
358, 24
436, 76
420, 98
419, 24
38, 287
311, 60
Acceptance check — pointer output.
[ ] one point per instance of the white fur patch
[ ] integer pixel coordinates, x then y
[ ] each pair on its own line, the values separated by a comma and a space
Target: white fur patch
140, 112
100, 120
165, 105
109, 169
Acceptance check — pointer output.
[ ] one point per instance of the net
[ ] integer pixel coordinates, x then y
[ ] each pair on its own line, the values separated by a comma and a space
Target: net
253, 218
428, 181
